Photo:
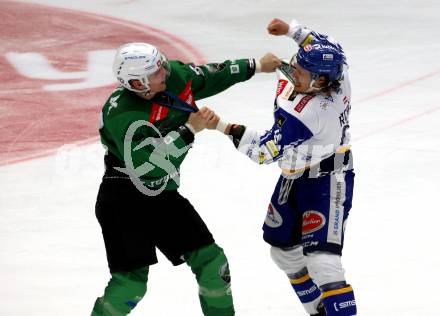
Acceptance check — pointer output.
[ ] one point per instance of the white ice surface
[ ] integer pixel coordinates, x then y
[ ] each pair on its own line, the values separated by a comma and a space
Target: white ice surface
52, 259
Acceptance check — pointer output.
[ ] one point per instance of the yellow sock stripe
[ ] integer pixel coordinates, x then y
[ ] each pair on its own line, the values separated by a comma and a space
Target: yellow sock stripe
337, 292
300, 280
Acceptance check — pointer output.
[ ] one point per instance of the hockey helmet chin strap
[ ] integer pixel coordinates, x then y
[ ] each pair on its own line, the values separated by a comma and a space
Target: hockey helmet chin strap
146, 92
313, 89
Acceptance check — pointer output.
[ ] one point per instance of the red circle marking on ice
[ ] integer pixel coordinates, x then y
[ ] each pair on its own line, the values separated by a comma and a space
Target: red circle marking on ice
50, 93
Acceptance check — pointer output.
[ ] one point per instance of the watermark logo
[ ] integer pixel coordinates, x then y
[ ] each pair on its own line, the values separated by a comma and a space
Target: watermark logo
163, 148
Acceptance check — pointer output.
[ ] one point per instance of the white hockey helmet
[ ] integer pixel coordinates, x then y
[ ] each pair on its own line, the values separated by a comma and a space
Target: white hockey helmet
138, 61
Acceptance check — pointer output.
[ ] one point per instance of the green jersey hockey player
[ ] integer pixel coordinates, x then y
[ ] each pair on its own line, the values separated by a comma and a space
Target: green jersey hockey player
148, 125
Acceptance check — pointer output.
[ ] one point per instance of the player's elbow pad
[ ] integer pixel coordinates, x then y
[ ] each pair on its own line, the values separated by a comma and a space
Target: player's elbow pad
237, 132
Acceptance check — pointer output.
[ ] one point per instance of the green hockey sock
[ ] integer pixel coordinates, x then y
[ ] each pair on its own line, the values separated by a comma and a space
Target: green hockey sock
211, 268
123, 292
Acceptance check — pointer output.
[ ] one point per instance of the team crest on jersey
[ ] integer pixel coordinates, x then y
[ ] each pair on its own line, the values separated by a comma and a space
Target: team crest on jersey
324, 104
312, 222
273, 218
303, 102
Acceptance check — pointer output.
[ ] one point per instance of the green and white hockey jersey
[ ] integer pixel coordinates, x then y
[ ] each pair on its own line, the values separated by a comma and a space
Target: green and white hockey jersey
143, 134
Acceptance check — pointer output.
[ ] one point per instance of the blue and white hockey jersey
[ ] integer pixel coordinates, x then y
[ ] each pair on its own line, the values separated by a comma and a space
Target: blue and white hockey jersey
307, 128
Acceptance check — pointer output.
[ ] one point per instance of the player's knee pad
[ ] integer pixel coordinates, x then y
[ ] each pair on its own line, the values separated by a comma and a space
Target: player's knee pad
290, 260
211, 268
325, 267
123, 292
293, 263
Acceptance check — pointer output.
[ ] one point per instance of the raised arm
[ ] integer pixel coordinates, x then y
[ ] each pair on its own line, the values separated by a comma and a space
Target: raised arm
210, 79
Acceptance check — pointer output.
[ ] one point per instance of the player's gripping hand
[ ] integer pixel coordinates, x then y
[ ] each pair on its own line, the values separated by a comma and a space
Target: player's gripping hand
278, 27
211, 117
269, 63
204, 118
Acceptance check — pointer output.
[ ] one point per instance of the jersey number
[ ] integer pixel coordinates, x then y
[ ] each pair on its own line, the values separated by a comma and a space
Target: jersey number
344, 134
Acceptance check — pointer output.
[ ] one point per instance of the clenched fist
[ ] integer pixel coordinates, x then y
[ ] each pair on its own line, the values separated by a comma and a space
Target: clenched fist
269, 62
278, 27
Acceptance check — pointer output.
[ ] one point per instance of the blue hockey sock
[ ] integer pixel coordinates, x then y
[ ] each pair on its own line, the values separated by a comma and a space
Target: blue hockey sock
340, 301
306, 290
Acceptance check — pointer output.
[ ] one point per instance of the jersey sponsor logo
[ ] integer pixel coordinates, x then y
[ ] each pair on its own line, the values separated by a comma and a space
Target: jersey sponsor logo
303, 102
273, 218
310, 244
312, 222
235, 69
187, 95
71, 78
308, 48
324, 46
281, 85
337, 215
158, 112
327, 56
347, 304
343, 305
287, 92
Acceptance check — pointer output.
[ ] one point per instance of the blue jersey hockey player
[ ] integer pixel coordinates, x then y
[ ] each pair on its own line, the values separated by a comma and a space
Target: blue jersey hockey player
310, 140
